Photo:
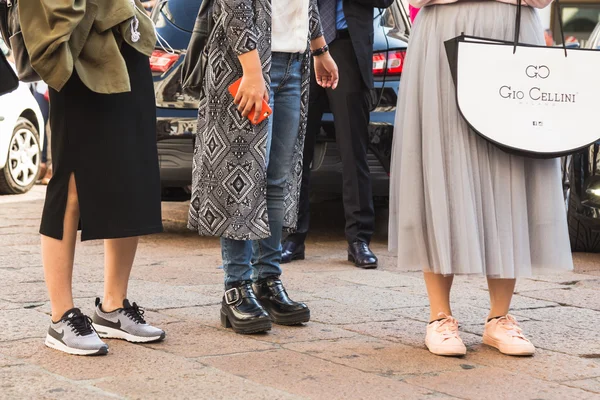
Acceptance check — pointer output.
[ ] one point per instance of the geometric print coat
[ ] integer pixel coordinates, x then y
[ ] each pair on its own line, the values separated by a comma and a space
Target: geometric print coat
229, 180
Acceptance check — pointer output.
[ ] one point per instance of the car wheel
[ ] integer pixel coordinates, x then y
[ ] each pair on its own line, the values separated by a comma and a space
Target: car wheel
583, 232
24, 157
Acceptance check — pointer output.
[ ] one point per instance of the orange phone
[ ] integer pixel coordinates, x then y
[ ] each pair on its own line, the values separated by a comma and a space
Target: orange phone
266, 109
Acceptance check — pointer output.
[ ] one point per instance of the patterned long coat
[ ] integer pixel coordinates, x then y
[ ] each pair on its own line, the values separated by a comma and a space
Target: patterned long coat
229, 180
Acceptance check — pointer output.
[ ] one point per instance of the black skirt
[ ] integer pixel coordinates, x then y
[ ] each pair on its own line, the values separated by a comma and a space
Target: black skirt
109, 143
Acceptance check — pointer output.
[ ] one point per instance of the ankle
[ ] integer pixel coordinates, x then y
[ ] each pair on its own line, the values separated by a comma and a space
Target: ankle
58, 313
111, 304
439, 315
496, 315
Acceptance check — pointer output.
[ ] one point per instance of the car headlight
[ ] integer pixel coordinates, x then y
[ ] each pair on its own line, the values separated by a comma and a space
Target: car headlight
594, 191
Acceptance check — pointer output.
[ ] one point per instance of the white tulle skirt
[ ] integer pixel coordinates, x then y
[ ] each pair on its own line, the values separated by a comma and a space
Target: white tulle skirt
459, 205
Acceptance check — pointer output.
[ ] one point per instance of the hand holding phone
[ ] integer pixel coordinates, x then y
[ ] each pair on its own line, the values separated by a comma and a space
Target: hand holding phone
250, 105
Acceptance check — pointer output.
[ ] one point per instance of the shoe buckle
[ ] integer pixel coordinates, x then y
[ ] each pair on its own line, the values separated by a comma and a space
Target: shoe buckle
232, 296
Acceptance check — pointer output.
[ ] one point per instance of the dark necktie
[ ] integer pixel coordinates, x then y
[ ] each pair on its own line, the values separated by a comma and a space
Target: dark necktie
327, 9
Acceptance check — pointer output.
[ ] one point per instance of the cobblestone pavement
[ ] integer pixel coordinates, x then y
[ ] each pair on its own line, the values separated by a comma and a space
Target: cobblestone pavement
365, 340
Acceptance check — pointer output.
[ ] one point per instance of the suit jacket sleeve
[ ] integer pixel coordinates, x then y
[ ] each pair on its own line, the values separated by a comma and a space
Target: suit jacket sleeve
374, 3
316, 29
241, 32
47, 26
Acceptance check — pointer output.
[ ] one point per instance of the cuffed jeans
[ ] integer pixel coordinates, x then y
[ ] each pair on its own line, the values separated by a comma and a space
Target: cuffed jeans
259, 259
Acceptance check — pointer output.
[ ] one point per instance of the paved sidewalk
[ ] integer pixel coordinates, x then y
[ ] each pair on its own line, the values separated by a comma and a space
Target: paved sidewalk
365, 340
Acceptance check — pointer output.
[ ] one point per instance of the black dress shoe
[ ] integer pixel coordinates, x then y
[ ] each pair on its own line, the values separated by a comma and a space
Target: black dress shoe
361, 255
283, 310
292, 251
241, 311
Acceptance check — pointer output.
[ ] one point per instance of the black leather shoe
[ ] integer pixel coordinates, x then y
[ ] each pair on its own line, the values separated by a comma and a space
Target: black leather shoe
283, 310
241, 311
361, 255
292, 251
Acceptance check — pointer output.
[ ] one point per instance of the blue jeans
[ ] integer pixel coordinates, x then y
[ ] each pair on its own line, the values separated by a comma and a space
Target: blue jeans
255, 260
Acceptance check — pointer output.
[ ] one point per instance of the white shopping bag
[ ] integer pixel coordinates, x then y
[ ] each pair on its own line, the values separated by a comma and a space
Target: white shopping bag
529, 100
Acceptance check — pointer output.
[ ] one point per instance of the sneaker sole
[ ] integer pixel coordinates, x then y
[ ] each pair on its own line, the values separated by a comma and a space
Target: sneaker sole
437, 352
489, 341
56, 345
110, 333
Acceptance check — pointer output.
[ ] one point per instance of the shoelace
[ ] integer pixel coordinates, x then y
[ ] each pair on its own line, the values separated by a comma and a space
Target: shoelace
81, 324
135, 313
448, 327
512, 327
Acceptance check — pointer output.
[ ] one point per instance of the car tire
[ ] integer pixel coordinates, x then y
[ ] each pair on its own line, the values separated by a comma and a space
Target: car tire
24, 158
584, 233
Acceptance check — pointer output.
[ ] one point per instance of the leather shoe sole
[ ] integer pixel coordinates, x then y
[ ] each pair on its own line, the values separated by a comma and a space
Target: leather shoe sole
257, 325
294, 257
363, 266
289, 319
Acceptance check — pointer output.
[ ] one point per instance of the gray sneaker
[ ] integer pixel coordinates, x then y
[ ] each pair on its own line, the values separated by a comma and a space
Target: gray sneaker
125, 323
74, 334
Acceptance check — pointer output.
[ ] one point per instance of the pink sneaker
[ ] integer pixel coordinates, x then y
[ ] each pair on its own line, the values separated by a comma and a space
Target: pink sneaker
442, 337
505, 335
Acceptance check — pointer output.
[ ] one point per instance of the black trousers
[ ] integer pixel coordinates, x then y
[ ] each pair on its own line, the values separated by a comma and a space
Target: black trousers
350, 104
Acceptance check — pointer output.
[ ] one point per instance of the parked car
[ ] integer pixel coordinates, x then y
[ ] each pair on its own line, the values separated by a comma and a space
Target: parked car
177, 112
581, 177
21, 136
579, 18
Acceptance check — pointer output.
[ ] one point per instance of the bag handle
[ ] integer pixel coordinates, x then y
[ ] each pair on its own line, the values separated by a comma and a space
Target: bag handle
518, 25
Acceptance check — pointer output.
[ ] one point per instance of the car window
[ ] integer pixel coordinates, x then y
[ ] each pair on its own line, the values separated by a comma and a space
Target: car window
181, 13
594, 41
579, 20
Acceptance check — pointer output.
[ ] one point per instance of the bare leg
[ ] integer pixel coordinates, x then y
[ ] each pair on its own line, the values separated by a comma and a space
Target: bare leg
58, 257
118, 261
438, 290
501, 292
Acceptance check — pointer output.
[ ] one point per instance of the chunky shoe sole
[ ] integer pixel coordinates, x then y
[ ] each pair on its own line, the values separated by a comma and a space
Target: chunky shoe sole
246, 328
291, 319
366, 266
517, 351
297, 318
56, 345
110, 333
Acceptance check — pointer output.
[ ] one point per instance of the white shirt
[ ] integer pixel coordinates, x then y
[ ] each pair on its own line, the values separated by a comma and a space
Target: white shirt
290, 26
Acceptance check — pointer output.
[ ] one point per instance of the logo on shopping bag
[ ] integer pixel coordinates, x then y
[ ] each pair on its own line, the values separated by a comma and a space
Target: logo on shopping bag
536, 93
537, 71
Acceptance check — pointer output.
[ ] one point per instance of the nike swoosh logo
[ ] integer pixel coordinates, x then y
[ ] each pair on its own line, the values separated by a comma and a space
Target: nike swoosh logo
109, 324
57, 335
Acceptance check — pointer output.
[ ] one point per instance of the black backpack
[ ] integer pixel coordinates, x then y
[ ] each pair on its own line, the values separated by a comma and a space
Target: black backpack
10, 28
196, 56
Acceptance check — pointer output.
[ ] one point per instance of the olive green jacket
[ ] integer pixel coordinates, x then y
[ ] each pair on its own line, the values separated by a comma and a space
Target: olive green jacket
86, 35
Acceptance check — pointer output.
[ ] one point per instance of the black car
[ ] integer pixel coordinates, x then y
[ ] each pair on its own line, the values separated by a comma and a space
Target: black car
177, 112
581, 178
